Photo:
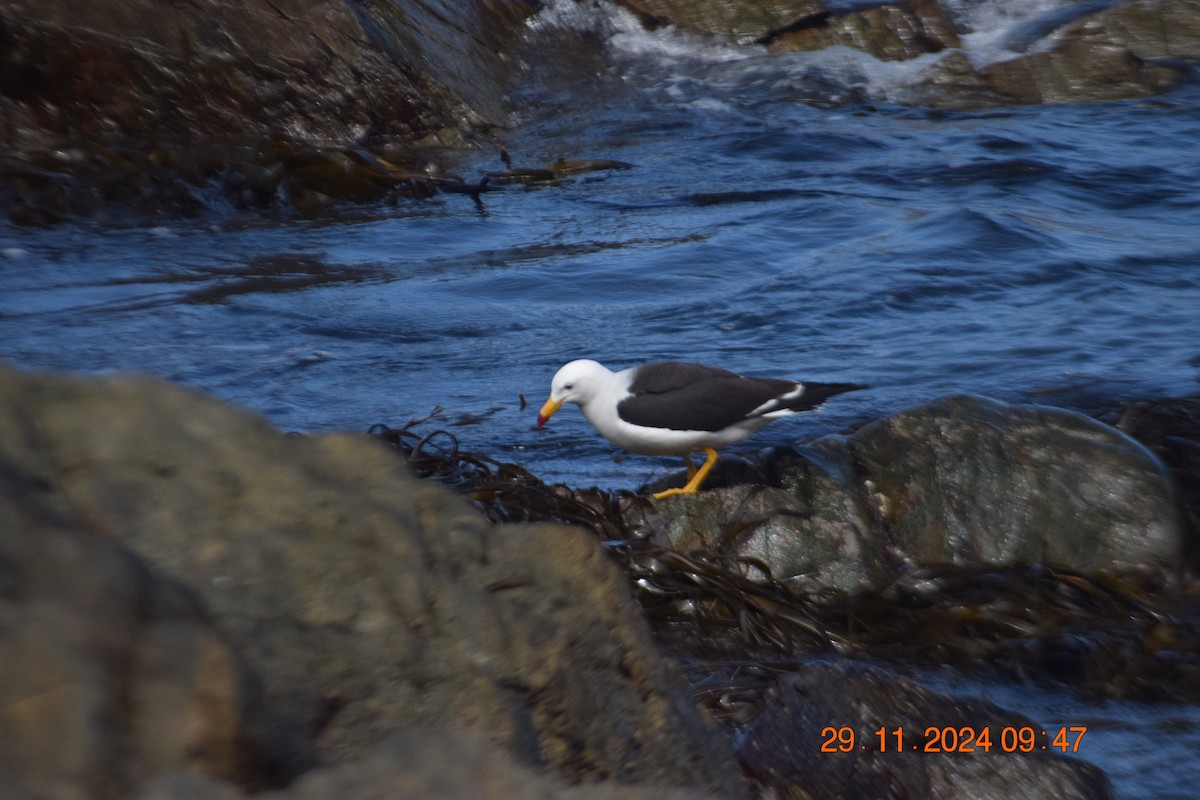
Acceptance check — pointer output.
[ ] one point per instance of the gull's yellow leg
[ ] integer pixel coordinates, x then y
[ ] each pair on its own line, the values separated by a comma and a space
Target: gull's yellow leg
691, 468
693, 485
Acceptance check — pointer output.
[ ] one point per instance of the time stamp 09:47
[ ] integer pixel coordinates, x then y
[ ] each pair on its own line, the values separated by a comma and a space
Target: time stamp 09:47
1008, 739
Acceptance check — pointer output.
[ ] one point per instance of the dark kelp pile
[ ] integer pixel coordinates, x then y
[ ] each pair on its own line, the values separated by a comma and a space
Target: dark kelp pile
734, 627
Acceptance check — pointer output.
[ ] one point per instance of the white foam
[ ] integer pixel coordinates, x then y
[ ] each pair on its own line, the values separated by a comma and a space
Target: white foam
622, 31
989, 25
692, 69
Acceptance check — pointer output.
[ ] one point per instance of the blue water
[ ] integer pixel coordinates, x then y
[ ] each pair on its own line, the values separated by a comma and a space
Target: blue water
1045, 253
1147, 750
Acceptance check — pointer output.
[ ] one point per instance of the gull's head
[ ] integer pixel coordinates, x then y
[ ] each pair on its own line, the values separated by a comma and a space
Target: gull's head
576, 382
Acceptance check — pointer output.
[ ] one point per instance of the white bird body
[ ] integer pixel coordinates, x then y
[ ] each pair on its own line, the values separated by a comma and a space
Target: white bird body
674, 408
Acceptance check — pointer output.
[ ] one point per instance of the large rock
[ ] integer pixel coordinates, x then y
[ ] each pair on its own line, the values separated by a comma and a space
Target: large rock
811, 532
968, 479
110, 674
890, 32
433, 763
1148, 28
1079, 70
304, 70
145, 108
366, 601
962, 479
1103, 55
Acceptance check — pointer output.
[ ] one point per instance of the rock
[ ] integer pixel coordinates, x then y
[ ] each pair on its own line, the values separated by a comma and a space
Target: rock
782, 748
1094, 57
1079, 71
434, 762
144, 108
1101, 56
811, 532
962, 479
743, 21
308, 70
367, 601
890, 32
1170, 428
110, 673
1147, 28
966, 479
953, 82
445, 764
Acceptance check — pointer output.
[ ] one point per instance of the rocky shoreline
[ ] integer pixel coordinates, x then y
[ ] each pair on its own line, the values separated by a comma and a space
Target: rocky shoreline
198, 605
135, 109
195, 605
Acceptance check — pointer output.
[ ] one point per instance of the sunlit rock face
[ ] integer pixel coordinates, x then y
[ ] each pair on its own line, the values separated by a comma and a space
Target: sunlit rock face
962, 480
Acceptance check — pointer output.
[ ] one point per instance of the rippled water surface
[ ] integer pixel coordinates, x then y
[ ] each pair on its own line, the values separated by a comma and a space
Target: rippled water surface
1147, 750
1036, 253
1048, 252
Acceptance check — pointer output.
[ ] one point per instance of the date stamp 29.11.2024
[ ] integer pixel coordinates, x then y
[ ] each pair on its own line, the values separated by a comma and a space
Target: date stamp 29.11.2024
935, 739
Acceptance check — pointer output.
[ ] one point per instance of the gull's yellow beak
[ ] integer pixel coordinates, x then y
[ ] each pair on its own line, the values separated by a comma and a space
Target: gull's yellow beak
548, 410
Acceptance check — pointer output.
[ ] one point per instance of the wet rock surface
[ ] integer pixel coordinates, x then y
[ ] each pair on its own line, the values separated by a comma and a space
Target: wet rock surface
743, 21
889, 32
309, 70
821, 539
970, 479
1090, 55
135, 107
960, 480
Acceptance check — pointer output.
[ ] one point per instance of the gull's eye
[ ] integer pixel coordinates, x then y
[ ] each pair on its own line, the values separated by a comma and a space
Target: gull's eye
569, 386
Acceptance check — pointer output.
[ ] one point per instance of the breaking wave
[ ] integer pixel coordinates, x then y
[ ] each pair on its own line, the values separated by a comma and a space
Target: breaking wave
692, 67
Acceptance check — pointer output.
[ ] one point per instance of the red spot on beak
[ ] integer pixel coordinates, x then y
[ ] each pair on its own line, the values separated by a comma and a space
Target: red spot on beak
548, 411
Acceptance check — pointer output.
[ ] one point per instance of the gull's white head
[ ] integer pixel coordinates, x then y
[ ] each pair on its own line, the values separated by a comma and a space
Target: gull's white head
575, 382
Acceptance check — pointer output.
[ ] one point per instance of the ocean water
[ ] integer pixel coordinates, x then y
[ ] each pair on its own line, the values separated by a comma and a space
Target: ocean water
793, 216
784, 215
1147, 750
